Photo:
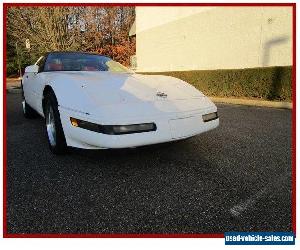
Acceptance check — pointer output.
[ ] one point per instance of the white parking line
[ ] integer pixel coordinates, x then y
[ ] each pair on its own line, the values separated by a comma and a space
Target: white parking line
243, 206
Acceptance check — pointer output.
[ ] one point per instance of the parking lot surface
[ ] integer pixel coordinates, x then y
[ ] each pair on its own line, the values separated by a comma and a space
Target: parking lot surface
234, 178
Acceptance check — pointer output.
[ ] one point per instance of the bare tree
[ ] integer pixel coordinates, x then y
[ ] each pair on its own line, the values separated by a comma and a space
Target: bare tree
98, 29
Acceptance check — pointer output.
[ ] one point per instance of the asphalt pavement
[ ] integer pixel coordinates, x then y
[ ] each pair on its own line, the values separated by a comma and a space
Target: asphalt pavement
234, 178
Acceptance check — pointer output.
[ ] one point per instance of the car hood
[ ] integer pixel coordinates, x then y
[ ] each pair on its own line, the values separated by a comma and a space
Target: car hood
120, 90
106, 88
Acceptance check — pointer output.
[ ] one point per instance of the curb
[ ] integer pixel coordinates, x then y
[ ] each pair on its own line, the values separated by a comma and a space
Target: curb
251, 102
14, 90
14, 79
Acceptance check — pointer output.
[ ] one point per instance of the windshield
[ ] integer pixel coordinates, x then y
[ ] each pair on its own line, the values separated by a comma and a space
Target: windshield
73, 61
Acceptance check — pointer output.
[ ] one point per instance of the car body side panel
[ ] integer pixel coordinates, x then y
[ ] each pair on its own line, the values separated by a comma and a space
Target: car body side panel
33, 86
41, 81
28, 85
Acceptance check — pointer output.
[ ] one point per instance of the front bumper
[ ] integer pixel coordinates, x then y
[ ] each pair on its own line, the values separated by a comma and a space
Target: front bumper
170, 127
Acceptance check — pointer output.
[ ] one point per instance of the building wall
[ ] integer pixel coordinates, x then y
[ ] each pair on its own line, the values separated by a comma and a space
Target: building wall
194, 38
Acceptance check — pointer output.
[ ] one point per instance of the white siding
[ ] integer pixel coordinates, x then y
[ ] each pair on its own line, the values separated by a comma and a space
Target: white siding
192, 38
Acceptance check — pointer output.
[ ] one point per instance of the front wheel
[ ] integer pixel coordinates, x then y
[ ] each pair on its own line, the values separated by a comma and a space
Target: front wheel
55, 133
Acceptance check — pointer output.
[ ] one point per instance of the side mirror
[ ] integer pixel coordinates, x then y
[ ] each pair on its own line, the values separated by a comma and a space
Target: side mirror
32, 69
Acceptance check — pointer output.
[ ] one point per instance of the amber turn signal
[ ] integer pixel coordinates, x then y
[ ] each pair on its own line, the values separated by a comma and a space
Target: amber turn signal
74, 122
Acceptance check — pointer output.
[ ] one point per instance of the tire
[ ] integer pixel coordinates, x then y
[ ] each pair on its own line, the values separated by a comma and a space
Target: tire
28, 112
54, 131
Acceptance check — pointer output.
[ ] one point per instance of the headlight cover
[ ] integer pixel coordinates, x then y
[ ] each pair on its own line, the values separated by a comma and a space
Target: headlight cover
113, 129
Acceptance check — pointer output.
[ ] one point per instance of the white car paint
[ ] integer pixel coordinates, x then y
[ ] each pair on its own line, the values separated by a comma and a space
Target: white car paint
110, 98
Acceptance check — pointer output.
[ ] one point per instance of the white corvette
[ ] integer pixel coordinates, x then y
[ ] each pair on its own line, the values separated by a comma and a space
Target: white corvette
90, 101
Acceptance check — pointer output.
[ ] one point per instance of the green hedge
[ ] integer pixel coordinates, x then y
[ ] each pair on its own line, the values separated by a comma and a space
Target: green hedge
270, 83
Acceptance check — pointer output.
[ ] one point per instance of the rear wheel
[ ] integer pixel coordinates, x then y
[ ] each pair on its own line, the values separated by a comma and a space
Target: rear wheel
28, 112
54, 130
